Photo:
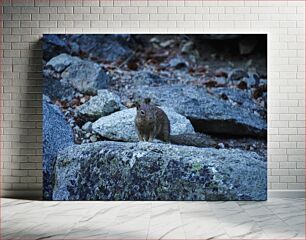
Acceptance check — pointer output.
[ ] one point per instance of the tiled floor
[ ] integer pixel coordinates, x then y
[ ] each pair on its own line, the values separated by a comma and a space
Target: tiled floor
274, 219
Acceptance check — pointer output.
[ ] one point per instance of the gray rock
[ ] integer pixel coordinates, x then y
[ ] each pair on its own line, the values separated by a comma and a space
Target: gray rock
167, 43
86, 76
237, 74
58, 89
120, 125
193, 139
178, 63
64, 74
93, 138
253, 80
157, 171
141, 78
57, 135
221, 145
241, 97
87, 127
207, 113
103, 104
187, 48
107, 47
61, 62
221, 81
53, 44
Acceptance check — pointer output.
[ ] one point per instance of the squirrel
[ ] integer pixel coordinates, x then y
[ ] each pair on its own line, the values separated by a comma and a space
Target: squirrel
151, 122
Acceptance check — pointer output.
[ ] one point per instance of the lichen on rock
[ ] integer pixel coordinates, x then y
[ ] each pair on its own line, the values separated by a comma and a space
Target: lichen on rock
158, 171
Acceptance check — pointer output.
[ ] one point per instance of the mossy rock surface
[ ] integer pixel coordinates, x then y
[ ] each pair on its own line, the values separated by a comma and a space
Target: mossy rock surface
156, 171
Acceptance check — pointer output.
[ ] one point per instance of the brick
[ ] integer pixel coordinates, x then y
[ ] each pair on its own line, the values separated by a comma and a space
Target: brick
30, 10
185, 10
113, 24
90, 3
287, 165
300, 179
129, 10
139, 17
137, 3
105, 17
280, 172
122, 3
296, 186
121, 17
190, 17
73, 16
11, 10
64, 24
158, 3
296, 172
57, 17
106, 2
21, 17
29, 24
278, 186
23, 3
41, 3
65, 10
159, 17
49, 10
96, 10
176, 17
91, 16
41, 16
81, 10
166, 9
147, 9
98, 24
112, 10
81, 24
287, 179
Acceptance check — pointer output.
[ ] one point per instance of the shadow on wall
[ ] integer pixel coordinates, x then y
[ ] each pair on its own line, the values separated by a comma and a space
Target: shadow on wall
29, 124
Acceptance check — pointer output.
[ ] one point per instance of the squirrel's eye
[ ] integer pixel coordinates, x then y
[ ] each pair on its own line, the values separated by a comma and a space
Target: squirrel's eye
142, 112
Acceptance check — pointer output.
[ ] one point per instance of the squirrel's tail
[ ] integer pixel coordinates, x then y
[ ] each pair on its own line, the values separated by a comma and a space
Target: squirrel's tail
193, 139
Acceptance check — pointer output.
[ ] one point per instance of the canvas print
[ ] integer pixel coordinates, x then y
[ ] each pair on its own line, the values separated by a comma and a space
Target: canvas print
154, 117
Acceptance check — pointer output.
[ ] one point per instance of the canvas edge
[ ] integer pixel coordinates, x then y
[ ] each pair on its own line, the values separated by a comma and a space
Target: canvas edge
37, 194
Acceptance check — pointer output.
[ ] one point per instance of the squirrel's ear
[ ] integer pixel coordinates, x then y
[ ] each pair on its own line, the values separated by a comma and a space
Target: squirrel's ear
147, 100
137, 105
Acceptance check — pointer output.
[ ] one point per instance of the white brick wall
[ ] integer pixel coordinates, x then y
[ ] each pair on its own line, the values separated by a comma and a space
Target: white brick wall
24, 21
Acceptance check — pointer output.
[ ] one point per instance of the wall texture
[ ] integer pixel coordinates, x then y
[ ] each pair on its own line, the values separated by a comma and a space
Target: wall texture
24, 22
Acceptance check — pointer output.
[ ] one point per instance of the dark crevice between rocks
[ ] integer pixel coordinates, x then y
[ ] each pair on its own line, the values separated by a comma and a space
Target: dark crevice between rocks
226, 128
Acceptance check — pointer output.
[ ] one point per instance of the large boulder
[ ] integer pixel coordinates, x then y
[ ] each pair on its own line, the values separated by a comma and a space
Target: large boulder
120, 126
146, 78
61, 62
157, 171
101, 105
86, 76
57, 88
54, 86
57, 135
207, 113
64, 74
53, 44
100, 47
240, 97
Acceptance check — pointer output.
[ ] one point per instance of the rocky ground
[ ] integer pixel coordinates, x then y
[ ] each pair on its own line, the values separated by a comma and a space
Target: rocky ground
212, 87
